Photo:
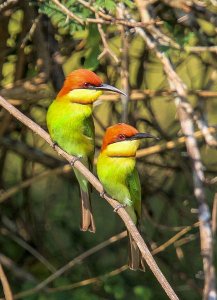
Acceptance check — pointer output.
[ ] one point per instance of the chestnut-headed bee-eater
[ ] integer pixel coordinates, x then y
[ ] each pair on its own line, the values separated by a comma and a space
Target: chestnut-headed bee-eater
71, 127
116, 169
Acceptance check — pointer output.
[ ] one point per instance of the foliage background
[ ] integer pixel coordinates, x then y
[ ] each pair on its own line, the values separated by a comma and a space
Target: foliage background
39, 46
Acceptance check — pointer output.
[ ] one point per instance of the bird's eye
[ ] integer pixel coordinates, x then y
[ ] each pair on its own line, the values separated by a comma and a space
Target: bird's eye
86, 84
121, 137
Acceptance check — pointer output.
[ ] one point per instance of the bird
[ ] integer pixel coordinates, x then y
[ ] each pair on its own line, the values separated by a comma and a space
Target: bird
116, 169
71, 127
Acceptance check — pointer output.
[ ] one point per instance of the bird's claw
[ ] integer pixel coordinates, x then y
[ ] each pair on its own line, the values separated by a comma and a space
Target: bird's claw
119, 206
73, 161
54, 145
102, 194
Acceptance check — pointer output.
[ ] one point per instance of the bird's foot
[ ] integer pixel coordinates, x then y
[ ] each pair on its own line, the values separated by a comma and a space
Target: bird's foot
119, 206
73, 161
102, 194
54, 145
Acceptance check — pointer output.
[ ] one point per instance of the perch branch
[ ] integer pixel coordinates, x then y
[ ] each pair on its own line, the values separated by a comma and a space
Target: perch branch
98, 186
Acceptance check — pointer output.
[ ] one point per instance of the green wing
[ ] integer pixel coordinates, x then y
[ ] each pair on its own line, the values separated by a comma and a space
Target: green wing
89, 131
134, 186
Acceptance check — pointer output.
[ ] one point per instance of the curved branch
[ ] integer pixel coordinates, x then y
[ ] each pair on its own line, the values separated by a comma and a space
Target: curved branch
98, 186
6, 287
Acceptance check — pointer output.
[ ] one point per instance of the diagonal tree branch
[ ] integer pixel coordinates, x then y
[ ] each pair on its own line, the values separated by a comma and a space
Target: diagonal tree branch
98, 186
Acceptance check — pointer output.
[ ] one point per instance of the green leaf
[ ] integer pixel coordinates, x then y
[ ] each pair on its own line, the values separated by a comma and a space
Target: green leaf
93, 43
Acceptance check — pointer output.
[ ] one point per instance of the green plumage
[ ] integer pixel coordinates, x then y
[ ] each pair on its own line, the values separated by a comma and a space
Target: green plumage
120, 180
71, 127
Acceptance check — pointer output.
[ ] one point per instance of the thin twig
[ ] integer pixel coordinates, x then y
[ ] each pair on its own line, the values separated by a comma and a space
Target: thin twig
6, 287
214, 215
68, 12
171, 144
26, 183
98, 186
31, 32
26, 92
173, 239
108, 19
124, 65
106, 48
71, 264
29, 248
115, 272
14, 269
88, 281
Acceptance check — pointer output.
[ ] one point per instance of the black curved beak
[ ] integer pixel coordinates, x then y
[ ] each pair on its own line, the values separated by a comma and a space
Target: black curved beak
107, 87
140, 135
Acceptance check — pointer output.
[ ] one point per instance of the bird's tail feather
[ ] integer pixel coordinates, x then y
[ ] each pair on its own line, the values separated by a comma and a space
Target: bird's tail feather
135, 260
87, 221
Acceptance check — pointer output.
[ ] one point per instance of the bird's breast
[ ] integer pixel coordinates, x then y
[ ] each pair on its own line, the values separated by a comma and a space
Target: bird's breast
66, 124
115, 169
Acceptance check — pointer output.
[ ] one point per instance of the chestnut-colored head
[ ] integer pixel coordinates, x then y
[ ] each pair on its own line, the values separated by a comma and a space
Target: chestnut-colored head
122, 140
79, 79
84, 86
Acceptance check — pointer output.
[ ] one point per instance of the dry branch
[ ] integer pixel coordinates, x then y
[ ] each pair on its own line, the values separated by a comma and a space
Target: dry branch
6, 287
186, 114
93, 180
91, 251
171, 144
17, 271
106, 48
25, 92
71, 264
26, 183
88, 281
22, 243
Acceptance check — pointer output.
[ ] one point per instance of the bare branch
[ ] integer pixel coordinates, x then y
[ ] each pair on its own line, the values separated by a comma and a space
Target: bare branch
98, 186
124, 65
171, 144
88, 281
29, 248
115, 272
106, 50
71, 264
5, 285
214, 216
15, 270
15, 189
